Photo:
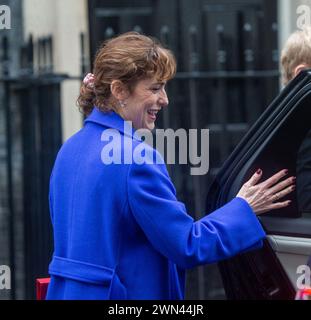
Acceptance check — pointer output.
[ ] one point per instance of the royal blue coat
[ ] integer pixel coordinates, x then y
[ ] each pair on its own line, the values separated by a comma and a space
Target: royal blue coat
120, 232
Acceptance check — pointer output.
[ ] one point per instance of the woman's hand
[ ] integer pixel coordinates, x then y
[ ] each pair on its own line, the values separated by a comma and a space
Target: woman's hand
263, 197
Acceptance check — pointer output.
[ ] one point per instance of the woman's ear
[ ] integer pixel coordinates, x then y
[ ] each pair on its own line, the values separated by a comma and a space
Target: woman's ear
300, 68
118, 90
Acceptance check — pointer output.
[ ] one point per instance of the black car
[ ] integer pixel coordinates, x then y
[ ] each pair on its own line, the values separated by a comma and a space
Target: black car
280, 139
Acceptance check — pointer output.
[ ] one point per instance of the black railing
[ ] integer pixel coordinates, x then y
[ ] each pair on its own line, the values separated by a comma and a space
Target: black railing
31, 100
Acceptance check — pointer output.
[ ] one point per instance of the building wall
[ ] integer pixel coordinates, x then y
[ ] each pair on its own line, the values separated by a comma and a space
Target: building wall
288, 17
64, 20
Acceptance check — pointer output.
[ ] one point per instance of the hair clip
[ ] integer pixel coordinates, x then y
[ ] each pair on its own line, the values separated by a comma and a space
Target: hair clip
89, 80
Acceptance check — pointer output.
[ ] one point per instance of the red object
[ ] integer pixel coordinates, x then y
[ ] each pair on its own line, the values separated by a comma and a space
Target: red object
42, 287
304, 294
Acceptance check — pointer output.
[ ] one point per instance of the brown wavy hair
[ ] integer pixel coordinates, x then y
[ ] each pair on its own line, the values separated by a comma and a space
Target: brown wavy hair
129, 57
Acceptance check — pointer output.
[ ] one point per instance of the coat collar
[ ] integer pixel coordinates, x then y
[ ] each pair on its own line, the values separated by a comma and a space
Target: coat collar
112, 120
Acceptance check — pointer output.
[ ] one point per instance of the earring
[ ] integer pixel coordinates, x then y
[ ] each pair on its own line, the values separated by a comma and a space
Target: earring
122, 104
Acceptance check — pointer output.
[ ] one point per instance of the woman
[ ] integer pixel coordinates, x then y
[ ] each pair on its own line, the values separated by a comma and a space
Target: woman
119, 231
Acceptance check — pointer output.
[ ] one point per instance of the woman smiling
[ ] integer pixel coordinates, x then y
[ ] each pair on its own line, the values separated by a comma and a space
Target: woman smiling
119, 230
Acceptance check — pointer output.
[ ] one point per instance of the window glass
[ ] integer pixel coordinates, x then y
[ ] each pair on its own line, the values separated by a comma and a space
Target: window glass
303, 171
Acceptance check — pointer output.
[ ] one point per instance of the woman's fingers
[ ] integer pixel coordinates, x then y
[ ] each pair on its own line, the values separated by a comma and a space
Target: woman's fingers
266, 195
281, 185
273, 206
279, 205
254, 179
274, 179
283, 193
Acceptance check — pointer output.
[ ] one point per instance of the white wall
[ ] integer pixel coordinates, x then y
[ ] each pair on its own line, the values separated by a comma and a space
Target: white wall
288, 17
64, 20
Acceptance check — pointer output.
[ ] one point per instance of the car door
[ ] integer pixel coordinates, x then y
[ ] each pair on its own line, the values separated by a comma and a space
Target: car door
280, 139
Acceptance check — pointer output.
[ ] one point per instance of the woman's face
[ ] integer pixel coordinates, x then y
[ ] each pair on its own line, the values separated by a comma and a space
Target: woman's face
142, 106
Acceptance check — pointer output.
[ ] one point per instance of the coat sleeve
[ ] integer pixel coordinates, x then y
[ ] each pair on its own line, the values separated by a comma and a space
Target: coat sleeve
51, 199
231, 229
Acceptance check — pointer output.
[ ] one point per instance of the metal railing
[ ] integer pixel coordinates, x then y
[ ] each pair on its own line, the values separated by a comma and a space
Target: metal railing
31, 106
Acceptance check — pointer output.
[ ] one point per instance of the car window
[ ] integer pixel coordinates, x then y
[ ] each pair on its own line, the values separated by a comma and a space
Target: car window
280, 139
303, 173
290, 148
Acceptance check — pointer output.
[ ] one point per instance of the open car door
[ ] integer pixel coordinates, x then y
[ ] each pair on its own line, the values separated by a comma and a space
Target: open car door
280, 139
